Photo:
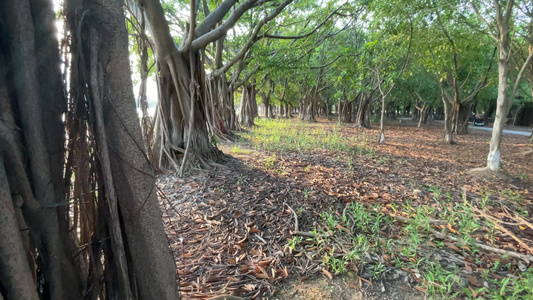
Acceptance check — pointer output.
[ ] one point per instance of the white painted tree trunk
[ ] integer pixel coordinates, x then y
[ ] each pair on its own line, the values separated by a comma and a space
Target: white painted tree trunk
382, 120
382, 137
448, 138
502, 108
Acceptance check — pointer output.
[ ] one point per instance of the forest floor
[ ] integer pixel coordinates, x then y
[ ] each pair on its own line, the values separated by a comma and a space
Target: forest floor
321, 211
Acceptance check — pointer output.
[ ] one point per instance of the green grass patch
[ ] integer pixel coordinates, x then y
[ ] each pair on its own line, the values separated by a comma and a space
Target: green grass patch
239, 150
286, 135
369, 236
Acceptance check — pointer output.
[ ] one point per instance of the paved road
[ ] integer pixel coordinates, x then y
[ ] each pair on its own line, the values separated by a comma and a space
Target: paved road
524, 133
517, 132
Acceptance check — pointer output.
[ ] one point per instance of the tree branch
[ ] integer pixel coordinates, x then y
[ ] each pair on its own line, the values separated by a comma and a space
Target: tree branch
221, 30
491, 33
252, 39
211, 19
524, 66
325, 65
192, 27
301, 36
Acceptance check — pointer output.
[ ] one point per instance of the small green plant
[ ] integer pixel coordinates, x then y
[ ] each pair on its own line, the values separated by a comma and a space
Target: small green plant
270, 160
295, 241
523, 176
377, 271
371, 153
441, 281
335, 264
306, 192
436, 192
240, 179
328, 217
512, 195
349, 164
483, 202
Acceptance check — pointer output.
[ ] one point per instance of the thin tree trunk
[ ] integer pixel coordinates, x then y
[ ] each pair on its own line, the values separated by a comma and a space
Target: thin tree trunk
448, 123
382, 121
502, 109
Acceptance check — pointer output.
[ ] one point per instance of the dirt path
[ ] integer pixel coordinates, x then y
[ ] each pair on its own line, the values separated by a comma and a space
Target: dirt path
232, 229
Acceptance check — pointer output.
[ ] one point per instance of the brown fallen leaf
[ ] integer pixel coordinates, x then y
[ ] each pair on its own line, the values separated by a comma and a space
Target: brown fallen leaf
351, 285
431, 244
327, 273
468, 267
473, 281
365, 280
423, 289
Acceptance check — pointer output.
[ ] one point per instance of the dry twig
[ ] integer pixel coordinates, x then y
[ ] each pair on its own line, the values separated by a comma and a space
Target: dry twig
525, 257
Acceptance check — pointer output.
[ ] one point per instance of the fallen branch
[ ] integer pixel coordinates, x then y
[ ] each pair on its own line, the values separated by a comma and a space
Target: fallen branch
260, 238
296, 227
525, 257
496, 223
526, 153
306, 234
227, 298
411, 221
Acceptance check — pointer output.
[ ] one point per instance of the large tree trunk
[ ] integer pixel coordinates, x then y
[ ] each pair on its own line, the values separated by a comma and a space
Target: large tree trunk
181, 121
221, 105
41, 100
222, 97
362, 118
266, 100
247, 105
38, 188
153, 265
307, 108
462, 116
15, 274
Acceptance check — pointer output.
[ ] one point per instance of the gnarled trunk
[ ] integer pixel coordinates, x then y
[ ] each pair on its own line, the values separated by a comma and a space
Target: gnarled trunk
181, 120
221, 105
307, 109
248, 100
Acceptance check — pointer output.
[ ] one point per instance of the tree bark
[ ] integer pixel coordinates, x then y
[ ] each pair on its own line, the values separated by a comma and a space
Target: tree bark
153, 265
363, 111
448, 123
247, 110
26, 63
382, 121
502, 107
15, 274
175, 104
